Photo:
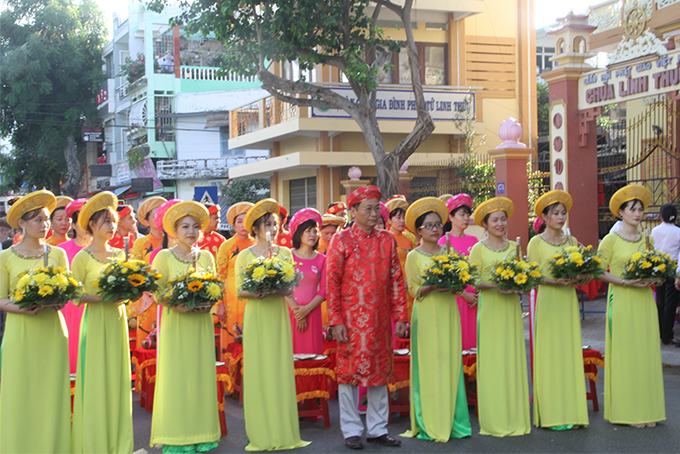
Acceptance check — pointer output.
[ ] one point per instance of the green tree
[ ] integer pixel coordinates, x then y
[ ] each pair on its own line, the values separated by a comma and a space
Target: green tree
245, 190
543, 105
50, 70
338, 33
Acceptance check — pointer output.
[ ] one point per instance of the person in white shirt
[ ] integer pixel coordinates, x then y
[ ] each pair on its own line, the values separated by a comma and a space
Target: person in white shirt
666, 238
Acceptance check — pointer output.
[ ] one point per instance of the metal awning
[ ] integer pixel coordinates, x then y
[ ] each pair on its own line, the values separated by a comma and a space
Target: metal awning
122, 189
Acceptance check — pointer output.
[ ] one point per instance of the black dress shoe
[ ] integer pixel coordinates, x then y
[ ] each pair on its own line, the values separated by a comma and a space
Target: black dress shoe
385, 440
354, 443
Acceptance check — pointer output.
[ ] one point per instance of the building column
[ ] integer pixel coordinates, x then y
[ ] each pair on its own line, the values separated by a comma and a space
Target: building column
511, 182
573, 153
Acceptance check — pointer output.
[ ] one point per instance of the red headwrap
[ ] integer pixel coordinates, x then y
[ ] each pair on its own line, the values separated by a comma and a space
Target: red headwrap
338, 207
282, 211
214, 209
385, 213
365, 193
124, 212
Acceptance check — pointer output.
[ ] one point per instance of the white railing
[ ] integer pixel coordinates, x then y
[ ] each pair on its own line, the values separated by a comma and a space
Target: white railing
122, 92
605, 16
664, 3
184, 169
208, 73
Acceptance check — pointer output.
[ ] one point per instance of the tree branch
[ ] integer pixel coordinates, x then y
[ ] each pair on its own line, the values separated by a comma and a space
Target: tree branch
320, 97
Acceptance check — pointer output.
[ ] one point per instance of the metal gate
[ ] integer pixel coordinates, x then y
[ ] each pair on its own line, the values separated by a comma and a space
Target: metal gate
472, 174
640, 149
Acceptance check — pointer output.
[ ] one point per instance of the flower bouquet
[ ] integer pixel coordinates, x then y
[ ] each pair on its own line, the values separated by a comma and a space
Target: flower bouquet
450, 271
48, 286
651, 266
576, 262
197, 290
127, 279
266, 275
516, 275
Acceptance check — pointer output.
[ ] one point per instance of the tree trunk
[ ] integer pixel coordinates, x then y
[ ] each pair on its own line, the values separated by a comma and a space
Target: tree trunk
388, 176
74, 174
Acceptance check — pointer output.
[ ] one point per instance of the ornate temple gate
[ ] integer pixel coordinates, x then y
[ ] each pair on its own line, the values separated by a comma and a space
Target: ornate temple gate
590, 156
642, 150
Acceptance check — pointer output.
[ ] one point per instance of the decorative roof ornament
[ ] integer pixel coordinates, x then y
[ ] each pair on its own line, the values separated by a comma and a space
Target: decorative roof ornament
638, 40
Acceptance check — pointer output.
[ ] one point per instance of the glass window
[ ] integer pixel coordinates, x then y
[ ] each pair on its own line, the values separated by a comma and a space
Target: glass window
539, 49
225, 152
302, 194
547, 63
549, 50
435, 71
404, 67
539, 61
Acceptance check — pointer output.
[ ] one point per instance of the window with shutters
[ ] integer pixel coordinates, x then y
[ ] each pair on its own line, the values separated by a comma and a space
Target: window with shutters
302, 194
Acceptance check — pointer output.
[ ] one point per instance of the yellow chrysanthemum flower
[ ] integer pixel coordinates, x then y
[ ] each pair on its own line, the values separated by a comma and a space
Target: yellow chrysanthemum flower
19, 295
535, 273
524, 265
462, 264
40, 278
465, 276
272, 272
259, 273
561, 262
575, 256
60, 281
214, 291
521, 278
45, 290
556, 256
507, 274
23, 282
289, 275
597, 259
662, 267
635, 257
645, 264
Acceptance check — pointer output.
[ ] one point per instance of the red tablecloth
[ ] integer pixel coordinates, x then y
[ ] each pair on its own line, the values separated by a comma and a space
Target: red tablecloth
593, 288
145, 363
314, 379
401, 377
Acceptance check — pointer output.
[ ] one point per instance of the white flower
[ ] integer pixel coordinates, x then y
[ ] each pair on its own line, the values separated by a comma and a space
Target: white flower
111, 279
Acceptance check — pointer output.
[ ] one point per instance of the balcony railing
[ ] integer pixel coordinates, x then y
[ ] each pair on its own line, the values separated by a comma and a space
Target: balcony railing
138, 84
208, 73
664, 3
611, 14
185, 169
395, 103
122, 92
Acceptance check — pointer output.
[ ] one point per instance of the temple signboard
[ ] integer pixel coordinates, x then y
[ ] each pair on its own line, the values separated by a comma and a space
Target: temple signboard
653, 76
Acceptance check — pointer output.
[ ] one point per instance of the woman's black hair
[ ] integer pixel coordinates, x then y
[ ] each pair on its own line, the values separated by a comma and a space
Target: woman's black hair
259, 221
668, 212
421, 219
396, 212
164, 243
542, 228
297, 236
550, 208
632, 203
100, 216
55, 210
462, 207
31, 214
486, 218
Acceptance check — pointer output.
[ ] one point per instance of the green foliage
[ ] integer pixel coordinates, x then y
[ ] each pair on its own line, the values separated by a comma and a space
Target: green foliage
465, 123
136, 156
311, 32
245, 190
51, 68
133, 69
543, 108
478, 179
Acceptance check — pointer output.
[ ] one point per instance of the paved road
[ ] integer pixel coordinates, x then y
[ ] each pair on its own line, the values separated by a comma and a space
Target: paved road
599, 437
